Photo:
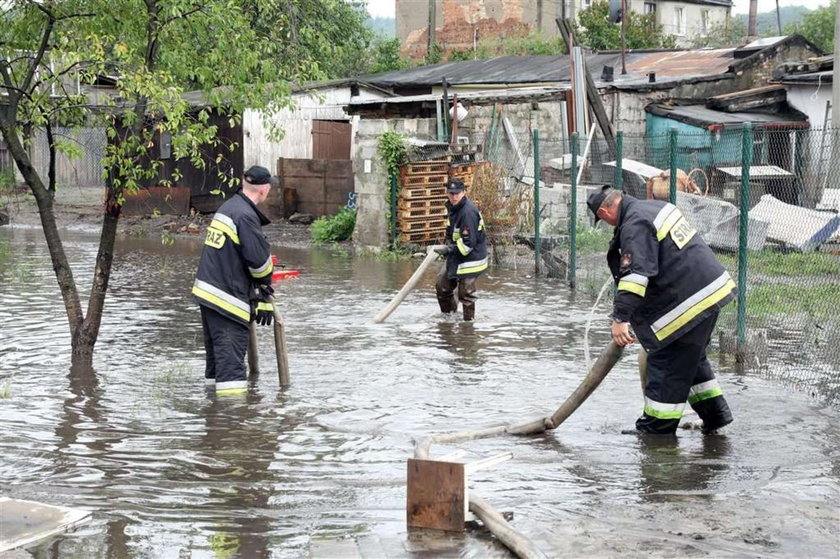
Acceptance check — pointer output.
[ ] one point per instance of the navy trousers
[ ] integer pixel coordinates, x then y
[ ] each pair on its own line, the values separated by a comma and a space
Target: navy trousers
225, 343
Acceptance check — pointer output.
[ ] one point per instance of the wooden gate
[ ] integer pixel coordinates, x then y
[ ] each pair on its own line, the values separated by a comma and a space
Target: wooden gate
331, 139
311, 186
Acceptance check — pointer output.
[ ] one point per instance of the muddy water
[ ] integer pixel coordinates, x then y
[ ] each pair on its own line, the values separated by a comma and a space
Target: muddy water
170, 471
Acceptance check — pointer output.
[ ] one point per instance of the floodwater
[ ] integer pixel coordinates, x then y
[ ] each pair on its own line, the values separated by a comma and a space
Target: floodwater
318, 469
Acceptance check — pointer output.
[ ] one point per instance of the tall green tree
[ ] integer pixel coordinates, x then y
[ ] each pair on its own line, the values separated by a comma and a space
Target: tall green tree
729, 33
818, 27
157, 49
594, 30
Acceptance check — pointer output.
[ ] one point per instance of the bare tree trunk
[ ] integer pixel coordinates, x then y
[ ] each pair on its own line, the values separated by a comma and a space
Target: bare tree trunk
751, 20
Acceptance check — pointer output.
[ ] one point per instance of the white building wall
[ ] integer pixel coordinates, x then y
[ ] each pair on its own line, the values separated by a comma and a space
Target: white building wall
296, 123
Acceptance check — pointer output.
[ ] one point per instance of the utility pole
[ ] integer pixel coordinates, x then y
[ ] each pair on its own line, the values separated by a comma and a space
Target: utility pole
623, 45
432, 25
751, 21
778, 18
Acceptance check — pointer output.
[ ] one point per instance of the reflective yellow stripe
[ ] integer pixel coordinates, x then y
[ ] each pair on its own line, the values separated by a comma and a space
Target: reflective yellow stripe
669, 222
231, 391
221, 303
263, 270
462, 248
472, 270
693, 311
261, 306
226, 229
639, 290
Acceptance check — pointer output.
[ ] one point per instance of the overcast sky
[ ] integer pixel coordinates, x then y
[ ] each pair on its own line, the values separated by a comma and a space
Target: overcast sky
385, 8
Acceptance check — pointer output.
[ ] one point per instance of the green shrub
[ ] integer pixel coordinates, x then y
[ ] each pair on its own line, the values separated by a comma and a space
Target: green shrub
334, 229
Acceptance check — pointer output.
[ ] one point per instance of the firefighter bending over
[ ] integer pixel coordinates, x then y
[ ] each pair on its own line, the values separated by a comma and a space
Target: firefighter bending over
465, 252
233, 282
671, 288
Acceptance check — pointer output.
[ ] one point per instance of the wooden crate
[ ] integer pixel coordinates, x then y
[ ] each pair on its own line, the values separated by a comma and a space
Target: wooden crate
433, 236
423, 224
413, 203
410, 181
434, 212
425, 168
412, 193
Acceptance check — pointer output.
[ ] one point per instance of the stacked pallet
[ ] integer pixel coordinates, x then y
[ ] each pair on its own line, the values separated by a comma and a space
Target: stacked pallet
421, 214
465, 171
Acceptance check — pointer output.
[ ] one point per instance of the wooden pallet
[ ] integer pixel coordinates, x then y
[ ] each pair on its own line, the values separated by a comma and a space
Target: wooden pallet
428, 212
410, 181
426, 237
426, 168
414, 203
414, 192
424, 224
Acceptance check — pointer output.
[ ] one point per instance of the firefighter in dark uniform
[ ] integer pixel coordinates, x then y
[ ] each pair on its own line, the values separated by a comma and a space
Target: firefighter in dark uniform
233, 282
465, 252
670, 288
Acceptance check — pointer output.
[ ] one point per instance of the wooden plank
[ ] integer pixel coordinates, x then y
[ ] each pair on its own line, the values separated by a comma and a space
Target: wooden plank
436, 495
411, 204
424, 237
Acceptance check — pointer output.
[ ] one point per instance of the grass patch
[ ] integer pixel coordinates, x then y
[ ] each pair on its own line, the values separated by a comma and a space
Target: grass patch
333, 229
774, 263
819, 301
590, 240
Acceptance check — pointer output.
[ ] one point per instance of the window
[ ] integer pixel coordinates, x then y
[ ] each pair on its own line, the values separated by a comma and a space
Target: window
705, 22
650, 8
679, 21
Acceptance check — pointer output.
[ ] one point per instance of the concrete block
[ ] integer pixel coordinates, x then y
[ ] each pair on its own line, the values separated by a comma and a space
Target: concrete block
795, 227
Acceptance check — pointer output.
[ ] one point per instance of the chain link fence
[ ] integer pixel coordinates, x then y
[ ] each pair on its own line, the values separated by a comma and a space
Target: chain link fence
765, 198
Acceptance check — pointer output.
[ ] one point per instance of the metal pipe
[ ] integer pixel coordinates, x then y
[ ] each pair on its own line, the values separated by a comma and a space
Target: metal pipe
393, 210
743, 230
672, 144
431, 256
537, 243
573, 214
619, 154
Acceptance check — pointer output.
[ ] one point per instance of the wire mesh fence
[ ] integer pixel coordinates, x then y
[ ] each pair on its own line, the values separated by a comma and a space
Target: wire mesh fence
765, 199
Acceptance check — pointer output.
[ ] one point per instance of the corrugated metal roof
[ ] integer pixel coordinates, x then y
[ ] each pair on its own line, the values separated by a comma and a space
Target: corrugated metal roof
700, 115
682, 64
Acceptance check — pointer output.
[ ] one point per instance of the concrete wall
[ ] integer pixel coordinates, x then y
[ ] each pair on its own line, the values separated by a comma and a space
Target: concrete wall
457, 21
692, 18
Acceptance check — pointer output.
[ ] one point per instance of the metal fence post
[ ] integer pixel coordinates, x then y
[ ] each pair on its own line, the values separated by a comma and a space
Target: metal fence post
537, 243
393, 210
573, 213
672, 187
619, 155
743, 231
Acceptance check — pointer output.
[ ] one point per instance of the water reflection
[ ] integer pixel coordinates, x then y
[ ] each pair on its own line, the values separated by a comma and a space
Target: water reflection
679, 465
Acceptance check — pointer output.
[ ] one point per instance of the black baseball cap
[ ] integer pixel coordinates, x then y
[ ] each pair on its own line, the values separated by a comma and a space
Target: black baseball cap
455, 186
595, 199
259, 176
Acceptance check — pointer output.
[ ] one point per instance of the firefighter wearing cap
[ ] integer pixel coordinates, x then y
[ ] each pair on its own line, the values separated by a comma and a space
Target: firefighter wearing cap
465, 252
233, 282
670, 288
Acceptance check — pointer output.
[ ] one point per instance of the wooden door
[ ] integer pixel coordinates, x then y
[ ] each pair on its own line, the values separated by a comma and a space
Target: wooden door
331, 139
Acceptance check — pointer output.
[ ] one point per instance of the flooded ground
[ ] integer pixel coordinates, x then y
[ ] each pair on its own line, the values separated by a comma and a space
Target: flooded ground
319, 469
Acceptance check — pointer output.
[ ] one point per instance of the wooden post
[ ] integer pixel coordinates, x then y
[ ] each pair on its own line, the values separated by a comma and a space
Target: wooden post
253, 351
280, 347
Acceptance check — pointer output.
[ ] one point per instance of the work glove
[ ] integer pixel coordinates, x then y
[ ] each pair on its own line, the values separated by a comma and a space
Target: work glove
444, 250
262, 305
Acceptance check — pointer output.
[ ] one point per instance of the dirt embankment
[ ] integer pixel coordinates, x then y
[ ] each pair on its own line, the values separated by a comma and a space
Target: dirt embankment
81, 208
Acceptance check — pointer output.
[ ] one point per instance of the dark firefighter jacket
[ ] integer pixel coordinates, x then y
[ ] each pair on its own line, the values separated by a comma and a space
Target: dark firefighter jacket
668, 278
466, 230
236, 256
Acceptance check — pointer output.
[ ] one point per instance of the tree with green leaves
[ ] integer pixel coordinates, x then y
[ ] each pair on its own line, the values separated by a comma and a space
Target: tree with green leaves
817, 26
157, 49
594, 30
730, 32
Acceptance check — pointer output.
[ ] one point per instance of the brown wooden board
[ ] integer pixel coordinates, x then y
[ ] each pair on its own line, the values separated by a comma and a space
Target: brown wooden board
411, 193
426, 168
321, 185
331, 139
436, 495
158, 199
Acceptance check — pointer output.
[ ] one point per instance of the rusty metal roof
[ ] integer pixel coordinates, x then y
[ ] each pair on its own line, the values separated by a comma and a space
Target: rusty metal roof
684, 63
